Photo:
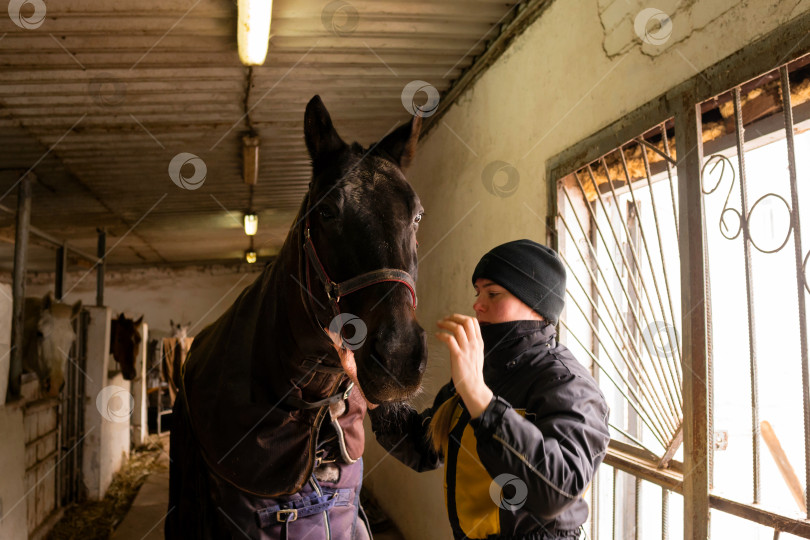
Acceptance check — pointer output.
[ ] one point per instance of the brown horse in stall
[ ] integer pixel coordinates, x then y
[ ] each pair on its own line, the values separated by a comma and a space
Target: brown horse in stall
251, 453
125, 344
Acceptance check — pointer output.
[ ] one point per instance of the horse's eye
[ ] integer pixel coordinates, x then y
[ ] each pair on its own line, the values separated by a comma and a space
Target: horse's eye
326, 214
418, 218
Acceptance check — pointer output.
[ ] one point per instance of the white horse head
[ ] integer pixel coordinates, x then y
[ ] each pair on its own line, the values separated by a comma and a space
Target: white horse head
49, 330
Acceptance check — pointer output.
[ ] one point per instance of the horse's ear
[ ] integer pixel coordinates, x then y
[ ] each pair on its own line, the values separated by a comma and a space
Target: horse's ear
401, 143
138, 322
320, 134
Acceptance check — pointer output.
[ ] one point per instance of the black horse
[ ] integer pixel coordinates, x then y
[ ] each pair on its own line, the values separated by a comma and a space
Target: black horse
251, 453
125, 342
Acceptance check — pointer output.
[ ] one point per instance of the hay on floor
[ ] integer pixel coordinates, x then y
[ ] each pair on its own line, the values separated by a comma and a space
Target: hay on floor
96, 520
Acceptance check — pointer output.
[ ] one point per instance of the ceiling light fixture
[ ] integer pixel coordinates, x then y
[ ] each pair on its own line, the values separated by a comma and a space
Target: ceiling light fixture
250, 254
251, 223
253, 30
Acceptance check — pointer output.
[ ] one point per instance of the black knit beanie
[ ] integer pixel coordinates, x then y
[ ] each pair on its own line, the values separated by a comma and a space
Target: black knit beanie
532, 272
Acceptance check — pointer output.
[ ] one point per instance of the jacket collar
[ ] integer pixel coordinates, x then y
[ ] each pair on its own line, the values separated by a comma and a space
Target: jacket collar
504, 342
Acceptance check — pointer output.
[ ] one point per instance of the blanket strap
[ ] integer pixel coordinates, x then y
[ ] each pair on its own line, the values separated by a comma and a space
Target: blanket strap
303, 507
299, 403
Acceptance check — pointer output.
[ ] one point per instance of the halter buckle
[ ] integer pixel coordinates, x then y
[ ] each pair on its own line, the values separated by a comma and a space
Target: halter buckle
291, 512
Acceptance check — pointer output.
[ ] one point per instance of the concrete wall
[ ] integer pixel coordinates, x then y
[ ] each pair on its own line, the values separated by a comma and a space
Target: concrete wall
41, 456
13, 503
139, 420
107, 410
196, 294
579, 67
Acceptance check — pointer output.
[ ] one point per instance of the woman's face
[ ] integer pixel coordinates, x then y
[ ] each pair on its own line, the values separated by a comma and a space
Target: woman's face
494, 304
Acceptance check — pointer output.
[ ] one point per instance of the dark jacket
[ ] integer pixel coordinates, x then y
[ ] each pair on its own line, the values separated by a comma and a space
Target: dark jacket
520, 469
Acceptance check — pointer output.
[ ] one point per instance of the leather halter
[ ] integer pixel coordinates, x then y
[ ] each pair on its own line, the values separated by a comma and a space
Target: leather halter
335, 291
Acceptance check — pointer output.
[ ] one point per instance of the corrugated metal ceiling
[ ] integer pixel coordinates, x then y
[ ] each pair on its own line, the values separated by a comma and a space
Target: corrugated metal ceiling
102, 94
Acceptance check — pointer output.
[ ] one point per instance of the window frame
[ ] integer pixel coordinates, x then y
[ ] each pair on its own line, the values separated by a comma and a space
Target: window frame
682, 102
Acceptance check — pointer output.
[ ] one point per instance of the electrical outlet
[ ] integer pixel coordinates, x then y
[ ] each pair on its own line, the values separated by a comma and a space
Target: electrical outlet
720, 439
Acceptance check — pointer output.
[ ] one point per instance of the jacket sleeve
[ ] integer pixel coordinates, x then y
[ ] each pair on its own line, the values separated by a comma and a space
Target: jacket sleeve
554, 450
403, 432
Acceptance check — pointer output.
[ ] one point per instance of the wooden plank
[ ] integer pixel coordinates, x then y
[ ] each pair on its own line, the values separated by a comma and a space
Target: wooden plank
761, 516
783, 464
632, 461
677, 439
693, 306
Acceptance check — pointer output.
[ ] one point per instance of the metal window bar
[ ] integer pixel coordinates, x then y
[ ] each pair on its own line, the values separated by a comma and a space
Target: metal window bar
675, 379
667, 158
625, 264
612, 224
752, 348
621, 332
71, 417
657, 398
633, 352
615, 498
652, 411
650, 414
744, 230
669, 398
595, 372
801, 282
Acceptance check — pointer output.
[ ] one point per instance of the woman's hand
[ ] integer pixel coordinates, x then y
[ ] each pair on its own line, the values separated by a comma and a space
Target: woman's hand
463, 339
348, 363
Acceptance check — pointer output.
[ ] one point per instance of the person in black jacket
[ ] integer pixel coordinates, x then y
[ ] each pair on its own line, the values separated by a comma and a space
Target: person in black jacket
522, 426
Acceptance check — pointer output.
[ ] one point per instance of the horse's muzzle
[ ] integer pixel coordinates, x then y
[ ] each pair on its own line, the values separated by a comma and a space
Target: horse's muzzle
393, 365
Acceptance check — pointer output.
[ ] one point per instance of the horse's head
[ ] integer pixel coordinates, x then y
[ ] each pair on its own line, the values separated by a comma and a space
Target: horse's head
179, 330
125, 340
363, 216
55, 334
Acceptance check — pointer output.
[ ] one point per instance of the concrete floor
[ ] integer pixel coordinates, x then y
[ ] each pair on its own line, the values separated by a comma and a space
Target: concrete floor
144, 521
